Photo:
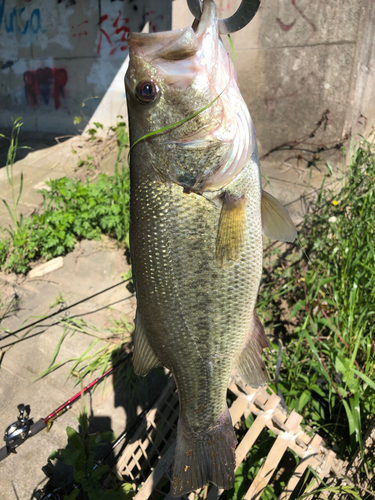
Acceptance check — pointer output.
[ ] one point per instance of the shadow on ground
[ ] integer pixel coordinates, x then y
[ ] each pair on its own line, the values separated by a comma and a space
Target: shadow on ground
134, 394
29, 142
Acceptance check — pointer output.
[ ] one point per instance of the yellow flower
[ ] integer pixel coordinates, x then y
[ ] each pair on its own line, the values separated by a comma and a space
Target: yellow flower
335, 202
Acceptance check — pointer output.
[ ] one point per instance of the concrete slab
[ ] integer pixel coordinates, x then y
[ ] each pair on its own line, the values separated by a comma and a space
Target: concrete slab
92, 267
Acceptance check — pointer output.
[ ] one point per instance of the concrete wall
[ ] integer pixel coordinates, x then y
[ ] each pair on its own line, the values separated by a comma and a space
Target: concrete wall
299, 58
56, 55
295, 60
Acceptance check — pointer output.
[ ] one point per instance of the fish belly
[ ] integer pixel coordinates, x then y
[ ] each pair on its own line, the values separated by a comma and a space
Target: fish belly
194, 313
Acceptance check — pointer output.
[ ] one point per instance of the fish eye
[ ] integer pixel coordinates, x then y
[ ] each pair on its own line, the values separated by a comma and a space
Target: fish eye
147, 91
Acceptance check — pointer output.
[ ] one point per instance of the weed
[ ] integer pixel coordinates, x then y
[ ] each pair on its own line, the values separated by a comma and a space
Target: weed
106, 348
72, 210
11, 157
319, 296
88, 473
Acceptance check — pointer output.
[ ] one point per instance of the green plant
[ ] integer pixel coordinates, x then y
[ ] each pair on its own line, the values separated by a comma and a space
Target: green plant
11, 157
4, 248
72, 210
319, 297
16, 231
94, 130
88, 472
106, 348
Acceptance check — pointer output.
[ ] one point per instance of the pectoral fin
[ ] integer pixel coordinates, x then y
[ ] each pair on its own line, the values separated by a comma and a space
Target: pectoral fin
277, 225
144, 358
249, 363
232, 224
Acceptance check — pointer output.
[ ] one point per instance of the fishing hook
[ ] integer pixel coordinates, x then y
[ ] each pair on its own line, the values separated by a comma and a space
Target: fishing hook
246, 11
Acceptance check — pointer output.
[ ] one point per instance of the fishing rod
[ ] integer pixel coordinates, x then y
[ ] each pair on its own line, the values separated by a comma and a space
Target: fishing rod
59, 493
17, 433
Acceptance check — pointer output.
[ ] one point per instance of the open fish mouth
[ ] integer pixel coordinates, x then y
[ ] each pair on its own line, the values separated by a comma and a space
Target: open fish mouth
173, 51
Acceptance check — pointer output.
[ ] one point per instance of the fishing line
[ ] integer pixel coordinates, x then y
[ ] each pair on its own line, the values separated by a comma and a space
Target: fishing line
61, 311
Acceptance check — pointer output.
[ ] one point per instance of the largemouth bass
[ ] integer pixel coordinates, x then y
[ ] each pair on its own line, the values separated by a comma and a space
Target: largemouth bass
197, 209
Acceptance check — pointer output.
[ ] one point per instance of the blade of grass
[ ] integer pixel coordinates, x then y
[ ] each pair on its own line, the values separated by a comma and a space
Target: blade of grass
180, 122
57, 350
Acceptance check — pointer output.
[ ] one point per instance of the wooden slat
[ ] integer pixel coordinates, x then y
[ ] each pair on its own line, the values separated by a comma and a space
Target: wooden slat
134, 443
275, 455
155, 476
307, 460
255, 430
322, 472
269, 414
237, 408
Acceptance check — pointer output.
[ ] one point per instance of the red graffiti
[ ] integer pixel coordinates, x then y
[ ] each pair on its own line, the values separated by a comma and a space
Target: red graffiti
44, 83
81, 33
287, 27
153, 19
115, 37
61, 79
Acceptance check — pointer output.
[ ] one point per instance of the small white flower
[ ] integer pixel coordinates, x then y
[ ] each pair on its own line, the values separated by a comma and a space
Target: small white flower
332, 219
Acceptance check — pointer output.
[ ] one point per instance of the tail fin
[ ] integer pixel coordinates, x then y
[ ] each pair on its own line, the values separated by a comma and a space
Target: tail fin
203, 457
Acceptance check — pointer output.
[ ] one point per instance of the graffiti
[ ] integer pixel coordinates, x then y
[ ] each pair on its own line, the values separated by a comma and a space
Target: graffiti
285, 27
69, 3
153, 19
15, 20
43, 84
288, 27
81, 33
114, 32
7, 64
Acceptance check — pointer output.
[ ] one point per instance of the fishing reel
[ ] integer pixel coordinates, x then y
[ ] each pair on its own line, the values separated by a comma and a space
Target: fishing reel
16, 433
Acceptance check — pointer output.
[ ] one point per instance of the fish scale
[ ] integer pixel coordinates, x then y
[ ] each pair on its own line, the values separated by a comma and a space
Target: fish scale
187, 298
196, 215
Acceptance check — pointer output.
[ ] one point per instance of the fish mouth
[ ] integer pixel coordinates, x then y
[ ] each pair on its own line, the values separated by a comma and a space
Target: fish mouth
173, 51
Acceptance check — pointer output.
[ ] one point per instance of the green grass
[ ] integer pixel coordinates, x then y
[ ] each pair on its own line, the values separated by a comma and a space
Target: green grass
318, 296
72, 210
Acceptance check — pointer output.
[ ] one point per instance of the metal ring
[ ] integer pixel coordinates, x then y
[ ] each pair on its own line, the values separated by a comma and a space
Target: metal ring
246, 11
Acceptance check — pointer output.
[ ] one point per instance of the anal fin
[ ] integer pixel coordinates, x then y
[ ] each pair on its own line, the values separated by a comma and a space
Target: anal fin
249, 363
144, 358
277, 225
230, 234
